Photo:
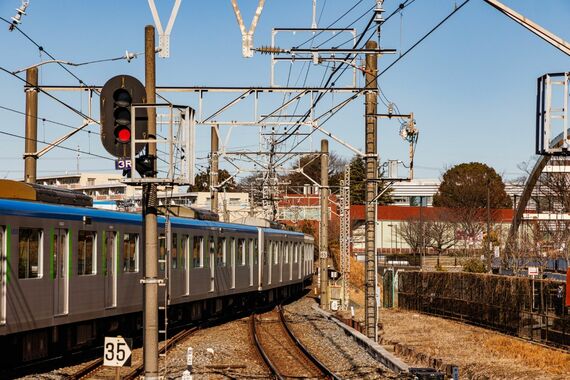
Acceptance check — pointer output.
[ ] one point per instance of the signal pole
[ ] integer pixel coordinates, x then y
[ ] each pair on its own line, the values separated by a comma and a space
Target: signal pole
324, 234
150, 343
31, 144
214, 147
370, 307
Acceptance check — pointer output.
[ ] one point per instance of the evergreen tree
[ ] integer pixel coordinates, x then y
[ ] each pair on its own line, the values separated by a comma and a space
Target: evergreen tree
358, 184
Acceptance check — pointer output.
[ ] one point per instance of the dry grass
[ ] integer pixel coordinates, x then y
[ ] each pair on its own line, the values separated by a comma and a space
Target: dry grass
479, 353
537, 356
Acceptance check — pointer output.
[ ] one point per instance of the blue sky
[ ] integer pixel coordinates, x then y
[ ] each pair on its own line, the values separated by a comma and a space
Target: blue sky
471, 84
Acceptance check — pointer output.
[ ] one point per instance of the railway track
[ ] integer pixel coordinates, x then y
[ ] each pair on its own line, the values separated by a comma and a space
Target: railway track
283, 353
95, 369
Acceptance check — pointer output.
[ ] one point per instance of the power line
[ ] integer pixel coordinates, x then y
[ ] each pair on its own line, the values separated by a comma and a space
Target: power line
334, 111
332, 23
41, 49
424, 37
320, 96
43, 119
52, 97
75, 150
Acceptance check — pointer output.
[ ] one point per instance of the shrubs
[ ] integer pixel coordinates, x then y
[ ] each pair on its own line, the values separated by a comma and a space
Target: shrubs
474, 266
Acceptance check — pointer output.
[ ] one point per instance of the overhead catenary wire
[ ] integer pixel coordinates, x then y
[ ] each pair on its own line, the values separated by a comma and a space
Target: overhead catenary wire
331, 24
382, 72
71, 108
43, 50
43, 119
75, 150
401, 7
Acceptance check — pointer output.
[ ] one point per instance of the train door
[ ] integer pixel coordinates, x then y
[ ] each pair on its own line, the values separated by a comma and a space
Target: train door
110, 268
211, 259
233, 260
60, 252
3, 268
250, 250
259, 253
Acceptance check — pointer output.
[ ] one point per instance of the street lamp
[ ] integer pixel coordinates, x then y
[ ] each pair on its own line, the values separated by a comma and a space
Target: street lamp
391, 237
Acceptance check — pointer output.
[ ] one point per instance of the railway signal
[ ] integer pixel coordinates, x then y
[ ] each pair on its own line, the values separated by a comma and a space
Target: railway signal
117, 97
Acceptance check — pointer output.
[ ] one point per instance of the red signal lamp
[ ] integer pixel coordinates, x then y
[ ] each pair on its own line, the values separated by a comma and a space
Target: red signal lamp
123, 135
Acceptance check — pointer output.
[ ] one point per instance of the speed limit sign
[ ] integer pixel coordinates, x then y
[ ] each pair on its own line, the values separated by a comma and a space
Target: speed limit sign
117, 351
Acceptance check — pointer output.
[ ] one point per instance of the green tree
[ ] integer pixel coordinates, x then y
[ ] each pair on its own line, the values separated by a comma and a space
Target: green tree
467, 189
358, 184
465, 186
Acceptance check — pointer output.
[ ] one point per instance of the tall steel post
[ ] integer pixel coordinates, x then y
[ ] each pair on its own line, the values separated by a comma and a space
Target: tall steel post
214, 175
324, 230
150, 344
371, 309
31, 142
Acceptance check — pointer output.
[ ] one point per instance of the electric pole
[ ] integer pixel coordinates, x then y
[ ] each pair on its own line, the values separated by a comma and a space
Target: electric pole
150, 202
370, 306
31, 144
324, 232
214, 178
345, 237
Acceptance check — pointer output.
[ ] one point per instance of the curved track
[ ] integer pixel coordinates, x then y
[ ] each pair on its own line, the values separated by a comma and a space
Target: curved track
284, 354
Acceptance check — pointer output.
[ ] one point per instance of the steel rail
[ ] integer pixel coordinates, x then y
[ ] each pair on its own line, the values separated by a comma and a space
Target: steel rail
87, 370
328, 373
91, 368
274, 372
134, 374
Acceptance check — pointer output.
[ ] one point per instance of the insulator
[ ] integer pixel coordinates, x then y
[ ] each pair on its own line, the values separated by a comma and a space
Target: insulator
270, 50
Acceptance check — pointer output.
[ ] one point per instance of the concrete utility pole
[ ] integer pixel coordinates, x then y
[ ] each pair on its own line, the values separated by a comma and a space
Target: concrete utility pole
150, 202
324, 234
214, 177
31, 144
370, 306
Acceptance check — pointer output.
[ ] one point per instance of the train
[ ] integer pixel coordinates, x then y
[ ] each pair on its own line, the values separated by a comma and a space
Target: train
71, 274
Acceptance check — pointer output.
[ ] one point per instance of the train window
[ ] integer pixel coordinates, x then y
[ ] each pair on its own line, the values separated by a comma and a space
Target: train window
211, 252
240, 252
197, 249
255, 251
232, 250
184, 250
130, 252
29, 253
86, 252
174, 251
221, 252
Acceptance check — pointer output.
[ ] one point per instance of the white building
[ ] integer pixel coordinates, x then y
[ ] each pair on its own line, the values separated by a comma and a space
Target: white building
109, 192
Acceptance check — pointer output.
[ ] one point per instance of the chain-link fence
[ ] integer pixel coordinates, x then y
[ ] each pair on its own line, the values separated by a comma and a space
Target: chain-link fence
532, 309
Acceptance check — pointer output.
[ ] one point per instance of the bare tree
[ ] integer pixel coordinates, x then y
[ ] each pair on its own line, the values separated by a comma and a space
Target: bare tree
414, 233
442, 233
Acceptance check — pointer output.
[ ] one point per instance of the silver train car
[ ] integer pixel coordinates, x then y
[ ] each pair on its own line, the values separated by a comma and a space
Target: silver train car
71, 274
